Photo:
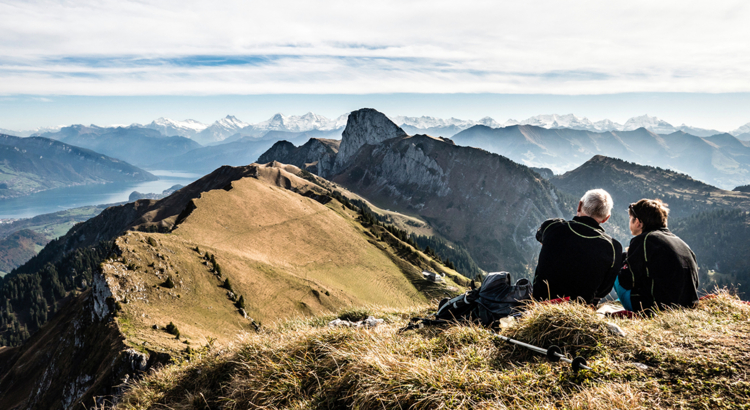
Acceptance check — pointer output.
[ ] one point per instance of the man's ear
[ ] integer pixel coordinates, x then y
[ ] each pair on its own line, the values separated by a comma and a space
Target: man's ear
605, 219
580, 206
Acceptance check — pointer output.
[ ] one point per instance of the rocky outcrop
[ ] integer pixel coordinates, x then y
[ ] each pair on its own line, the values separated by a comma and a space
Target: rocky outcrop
364, 127
316, 156
77, 360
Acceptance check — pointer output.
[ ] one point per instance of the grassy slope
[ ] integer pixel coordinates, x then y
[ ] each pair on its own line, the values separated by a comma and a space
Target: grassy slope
18, 248
50, 226
287, 254
675, 359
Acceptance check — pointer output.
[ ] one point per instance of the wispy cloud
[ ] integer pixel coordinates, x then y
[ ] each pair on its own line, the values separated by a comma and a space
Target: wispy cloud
238, 47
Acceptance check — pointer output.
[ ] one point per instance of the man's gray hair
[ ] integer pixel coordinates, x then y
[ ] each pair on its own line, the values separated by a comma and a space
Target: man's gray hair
597, 203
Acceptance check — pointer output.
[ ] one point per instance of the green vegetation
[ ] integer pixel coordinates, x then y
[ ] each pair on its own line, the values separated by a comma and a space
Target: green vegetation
455, 256
172, 330
240, 302
31, 294
674, 359
452, 256
227, 285
720, 239
19, 247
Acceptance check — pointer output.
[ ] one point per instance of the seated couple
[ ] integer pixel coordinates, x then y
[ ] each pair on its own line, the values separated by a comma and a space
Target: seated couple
579, 260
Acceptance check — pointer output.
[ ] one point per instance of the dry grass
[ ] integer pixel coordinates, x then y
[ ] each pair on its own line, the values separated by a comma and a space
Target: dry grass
676, 359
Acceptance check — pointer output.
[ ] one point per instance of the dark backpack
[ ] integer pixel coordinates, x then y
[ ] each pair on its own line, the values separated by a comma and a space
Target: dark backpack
494, 300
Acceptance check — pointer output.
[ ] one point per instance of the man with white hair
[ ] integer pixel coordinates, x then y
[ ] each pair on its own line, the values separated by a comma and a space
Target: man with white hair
578, 260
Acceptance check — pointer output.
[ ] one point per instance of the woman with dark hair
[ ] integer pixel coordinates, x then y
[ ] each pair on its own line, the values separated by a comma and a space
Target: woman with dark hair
660, 269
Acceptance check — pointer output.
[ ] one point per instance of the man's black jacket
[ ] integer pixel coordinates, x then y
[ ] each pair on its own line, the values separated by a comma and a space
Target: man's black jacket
577, 260
660, 269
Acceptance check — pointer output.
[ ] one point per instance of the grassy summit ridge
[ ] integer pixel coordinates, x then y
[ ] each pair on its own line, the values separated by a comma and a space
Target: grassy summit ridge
285, 252
675, 359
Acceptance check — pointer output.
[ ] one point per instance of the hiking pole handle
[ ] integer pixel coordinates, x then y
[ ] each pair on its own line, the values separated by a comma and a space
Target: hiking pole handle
553, 353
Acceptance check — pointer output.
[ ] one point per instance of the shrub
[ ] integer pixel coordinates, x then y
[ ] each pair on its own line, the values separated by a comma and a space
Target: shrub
172, 330
227, 285
168, 283
151, 241
240, 303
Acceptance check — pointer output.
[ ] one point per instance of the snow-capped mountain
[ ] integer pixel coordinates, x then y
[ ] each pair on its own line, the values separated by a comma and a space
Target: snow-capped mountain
745, 129
221, 129
300, 123
28, 133
187, 128
571, 121
652, 124
426, 122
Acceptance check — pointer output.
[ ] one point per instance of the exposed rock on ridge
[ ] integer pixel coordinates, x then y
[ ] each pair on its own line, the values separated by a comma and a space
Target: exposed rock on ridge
365, 126
317, 155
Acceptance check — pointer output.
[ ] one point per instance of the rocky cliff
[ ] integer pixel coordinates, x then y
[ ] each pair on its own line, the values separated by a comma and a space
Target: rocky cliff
317, 155
364, 127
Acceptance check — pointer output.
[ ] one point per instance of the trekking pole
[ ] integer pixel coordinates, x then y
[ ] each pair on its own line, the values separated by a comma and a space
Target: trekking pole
553, 353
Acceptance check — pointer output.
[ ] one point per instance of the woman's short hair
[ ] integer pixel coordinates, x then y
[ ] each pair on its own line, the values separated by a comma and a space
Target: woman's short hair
653, 213
597, 203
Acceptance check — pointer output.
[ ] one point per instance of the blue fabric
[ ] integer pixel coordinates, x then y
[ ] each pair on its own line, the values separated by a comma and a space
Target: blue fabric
624, 295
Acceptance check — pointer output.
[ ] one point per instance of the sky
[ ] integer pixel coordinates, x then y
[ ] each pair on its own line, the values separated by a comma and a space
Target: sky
108, 62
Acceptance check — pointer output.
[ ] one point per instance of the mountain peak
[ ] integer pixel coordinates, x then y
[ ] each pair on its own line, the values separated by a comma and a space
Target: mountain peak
365, 126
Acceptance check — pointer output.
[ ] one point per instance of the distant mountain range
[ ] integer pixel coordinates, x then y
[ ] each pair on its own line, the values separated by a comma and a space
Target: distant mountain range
720, 160
34, 164
138, 146
231, 126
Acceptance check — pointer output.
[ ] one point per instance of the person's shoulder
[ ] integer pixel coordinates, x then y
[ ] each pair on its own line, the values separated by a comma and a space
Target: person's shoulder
638, 239
546, 226
552, 221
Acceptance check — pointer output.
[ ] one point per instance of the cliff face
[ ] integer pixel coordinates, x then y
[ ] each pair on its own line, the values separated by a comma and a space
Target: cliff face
486, 202
76, 356
364, 127
317, 155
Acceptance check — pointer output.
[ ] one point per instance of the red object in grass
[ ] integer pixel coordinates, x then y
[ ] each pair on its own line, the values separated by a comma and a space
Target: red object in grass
557, 301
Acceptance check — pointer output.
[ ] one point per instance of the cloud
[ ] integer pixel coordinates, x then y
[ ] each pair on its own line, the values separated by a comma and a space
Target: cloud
237, 47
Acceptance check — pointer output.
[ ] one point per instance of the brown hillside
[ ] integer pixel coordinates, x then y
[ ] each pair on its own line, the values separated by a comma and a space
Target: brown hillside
277, 240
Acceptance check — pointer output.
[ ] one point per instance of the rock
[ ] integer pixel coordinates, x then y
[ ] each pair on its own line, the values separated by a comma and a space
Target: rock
616, 330
136, 360
365, 126
100, 292
317, 155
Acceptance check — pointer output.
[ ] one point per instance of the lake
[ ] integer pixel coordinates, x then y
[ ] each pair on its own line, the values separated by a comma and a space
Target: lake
60, 199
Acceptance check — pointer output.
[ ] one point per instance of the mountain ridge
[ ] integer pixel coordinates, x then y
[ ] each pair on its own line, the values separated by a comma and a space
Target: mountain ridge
35, 164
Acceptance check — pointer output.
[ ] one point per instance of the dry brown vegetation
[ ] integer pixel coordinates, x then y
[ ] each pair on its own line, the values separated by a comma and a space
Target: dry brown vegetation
675, 359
